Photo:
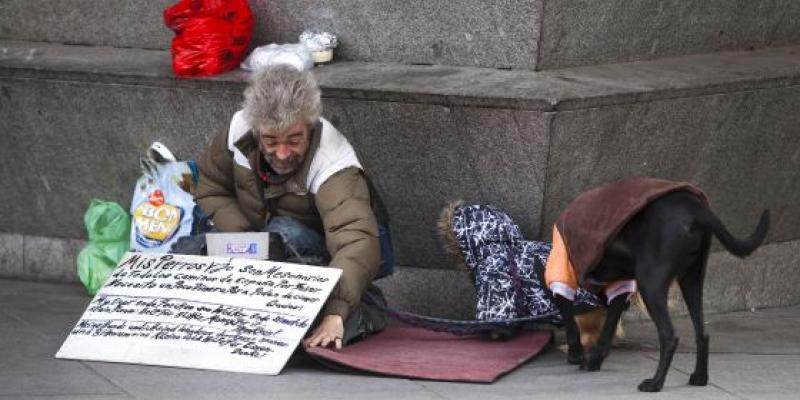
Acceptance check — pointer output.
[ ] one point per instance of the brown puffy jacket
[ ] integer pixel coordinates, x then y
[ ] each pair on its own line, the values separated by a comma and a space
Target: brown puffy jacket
237, 200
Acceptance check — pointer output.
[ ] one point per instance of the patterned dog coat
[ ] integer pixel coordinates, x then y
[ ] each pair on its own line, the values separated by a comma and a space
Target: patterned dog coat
508, 271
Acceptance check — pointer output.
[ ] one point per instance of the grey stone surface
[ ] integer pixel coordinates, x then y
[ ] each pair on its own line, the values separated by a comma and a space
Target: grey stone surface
28, 365
47, 377
119, 23
11, 255
95, 133
550, 377
566, 89
500, 34
762, 280
754, 355
741, 148
51, 259
444, 293
427, 134
46, 309
729, 332
742, 375
413, 142
308, 381
588, 32
422, 157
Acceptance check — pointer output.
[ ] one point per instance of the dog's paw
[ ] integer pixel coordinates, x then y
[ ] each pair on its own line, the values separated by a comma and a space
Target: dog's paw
593, 361
650, 385
575, 357
698, 379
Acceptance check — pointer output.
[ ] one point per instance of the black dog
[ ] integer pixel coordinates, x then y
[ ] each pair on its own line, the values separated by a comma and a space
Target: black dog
667, 240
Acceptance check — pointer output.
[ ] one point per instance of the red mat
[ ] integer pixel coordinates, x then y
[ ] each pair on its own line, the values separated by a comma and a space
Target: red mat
422, 354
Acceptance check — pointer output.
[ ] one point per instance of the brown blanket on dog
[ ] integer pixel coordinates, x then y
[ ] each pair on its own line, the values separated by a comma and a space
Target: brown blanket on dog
594, 218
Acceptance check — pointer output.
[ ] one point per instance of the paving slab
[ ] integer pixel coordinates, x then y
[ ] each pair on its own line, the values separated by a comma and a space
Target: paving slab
764, 332
28, 367
305, 382
550, 377
754, 355
749, 376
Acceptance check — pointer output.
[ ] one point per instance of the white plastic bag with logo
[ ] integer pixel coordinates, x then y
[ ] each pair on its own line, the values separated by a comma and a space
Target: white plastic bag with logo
163, 209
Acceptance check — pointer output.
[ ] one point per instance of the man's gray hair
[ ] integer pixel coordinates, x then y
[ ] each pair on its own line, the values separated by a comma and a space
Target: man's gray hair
280, 95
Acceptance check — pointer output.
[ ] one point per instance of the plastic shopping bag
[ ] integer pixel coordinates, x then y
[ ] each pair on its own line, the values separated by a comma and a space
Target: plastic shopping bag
108, 225
296, 55
163, 208
211, 36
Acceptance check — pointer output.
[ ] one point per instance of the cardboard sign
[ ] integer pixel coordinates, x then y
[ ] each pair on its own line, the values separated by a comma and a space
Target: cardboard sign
224, 314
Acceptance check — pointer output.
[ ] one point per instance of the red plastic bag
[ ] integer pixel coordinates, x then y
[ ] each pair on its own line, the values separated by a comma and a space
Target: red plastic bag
211, 36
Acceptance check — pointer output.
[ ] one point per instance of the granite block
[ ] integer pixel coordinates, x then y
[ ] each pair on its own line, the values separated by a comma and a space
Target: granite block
443, 293
129, 23
471, 32
70, 142
500, 34
422, 157
558, 90
741, 148
590, 32
765, 279
51, 259
495, 34
11, 255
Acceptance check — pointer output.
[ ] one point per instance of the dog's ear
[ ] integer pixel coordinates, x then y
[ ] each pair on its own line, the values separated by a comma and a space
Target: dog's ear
448, 236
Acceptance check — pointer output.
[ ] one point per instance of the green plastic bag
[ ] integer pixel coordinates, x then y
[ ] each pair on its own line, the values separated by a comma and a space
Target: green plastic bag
109, 227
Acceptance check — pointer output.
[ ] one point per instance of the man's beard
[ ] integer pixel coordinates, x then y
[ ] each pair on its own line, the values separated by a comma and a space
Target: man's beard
283, 167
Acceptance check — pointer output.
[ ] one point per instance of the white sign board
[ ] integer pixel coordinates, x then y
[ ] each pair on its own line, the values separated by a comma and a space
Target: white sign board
226, 314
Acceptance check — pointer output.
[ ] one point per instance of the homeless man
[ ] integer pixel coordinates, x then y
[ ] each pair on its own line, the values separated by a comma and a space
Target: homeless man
282, 168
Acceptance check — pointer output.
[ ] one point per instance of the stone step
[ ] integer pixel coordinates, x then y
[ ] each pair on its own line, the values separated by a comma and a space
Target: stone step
75, 119
766, 279
518, 34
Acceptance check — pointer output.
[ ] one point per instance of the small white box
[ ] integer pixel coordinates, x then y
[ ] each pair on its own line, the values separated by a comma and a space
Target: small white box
239, 245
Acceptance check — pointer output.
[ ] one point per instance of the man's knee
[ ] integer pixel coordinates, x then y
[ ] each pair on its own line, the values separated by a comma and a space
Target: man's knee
301, 243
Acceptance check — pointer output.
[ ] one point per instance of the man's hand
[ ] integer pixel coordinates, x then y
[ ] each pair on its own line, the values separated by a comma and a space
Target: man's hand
329, 331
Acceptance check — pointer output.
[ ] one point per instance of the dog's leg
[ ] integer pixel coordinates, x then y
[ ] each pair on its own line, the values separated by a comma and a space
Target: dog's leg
596, 356
654, 294
573, 335
691, 283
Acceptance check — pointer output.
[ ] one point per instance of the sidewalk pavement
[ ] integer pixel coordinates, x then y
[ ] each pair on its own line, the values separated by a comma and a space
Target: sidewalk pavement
755, 355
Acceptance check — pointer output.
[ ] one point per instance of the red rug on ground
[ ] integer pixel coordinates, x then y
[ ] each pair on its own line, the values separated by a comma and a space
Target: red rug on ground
418, 353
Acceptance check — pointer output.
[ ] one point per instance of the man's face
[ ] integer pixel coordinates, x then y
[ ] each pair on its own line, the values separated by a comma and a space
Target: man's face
285, 150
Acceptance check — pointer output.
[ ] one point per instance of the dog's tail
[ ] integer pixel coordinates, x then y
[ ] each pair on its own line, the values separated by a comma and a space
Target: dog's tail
737, 247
